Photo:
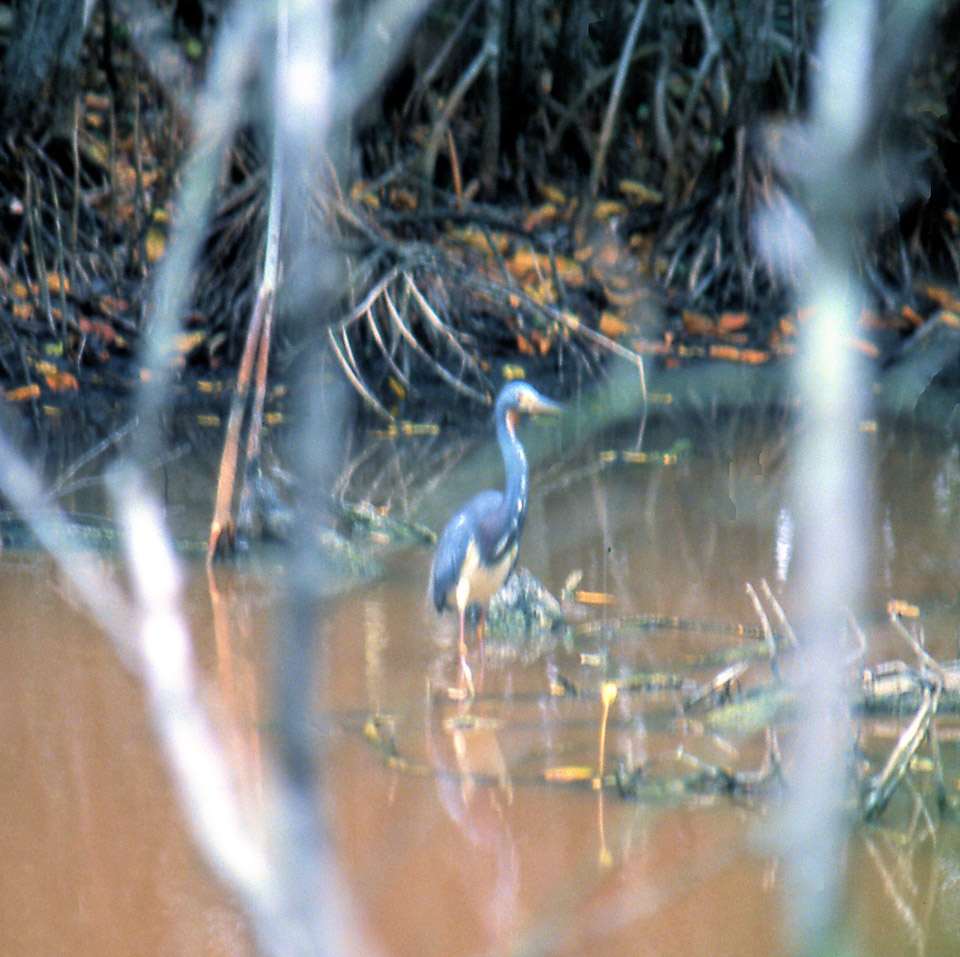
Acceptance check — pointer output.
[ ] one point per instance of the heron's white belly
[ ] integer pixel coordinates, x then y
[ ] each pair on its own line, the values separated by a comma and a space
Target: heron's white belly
483, 582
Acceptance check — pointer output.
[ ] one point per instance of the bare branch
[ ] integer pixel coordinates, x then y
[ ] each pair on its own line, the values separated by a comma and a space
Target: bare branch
613, 105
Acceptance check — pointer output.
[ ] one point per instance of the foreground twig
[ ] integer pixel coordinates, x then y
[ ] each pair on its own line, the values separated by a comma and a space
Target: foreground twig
167, 668
218, 113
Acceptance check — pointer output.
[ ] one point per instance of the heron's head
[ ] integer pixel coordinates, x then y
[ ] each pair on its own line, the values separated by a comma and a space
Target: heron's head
519, 398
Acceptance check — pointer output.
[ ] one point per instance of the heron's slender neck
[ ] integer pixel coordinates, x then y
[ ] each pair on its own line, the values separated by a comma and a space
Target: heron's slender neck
515, 464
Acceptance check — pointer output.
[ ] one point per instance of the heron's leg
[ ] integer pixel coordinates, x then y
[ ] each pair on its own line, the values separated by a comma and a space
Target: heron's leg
466, 675
462, 618
463, 595
481, 628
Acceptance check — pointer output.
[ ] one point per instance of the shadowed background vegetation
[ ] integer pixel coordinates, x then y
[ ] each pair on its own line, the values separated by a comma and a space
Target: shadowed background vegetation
540, 185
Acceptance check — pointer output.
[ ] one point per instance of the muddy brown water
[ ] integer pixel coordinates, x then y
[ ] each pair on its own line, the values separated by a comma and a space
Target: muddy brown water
484, 834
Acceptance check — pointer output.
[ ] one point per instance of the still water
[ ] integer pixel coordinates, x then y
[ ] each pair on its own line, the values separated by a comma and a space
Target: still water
480, 829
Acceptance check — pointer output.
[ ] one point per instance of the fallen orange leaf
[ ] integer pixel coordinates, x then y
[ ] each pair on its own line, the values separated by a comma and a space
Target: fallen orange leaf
114, 306
24, 393
732, 321
897, 606
478, 239
911, 315
553, 194
403, 200
638, 193
735, 354
99, 328
942, 297
729, 353
608, 208
60, 381
156, 243
96, 101
788, 326
547, 213
542, 342
524, 347
188, 341
56, 283
611, 325
696, 323
610, 255
525, 262
57, 379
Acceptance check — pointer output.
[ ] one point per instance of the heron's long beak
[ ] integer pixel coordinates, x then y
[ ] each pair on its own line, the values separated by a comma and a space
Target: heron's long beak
538, 404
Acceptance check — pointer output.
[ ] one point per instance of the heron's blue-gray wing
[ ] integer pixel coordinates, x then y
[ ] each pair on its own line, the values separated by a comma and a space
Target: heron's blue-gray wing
497, 532
468, 524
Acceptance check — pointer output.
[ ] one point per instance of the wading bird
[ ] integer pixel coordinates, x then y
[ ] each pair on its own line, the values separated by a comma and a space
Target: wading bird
478, 547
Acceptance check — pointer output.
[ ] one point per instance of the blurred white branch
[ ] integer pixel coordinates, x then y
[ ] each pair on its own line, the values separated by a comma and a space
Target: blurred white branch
168, 669
107, 605
382, 37
289, 888
833, 165
220, 108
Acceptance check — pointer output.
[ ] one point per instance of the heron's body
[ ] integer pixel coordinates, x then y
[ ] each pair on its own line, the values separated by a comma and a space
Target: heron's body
473, 556
479, 545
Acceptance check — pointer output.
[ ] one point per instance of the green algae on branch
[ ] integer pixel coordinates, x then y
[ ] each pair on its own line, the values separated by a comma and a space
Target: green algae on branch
752, 711
93, 533
695, 778
363, 518
524, 617
81, 533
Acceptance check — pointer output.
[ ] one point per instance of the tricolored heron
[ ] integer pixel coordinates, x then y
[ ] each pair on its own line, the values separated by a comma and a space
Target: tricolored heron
478, 546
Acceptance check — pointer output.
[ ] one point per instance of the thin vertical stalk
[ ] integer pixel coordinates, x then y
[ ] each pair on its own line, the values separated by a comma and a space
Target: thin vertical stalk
613, 104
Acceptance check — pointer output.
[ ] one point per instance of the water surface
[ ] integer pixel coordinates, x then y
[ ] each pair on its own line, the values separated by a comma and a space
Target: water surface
474, 829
